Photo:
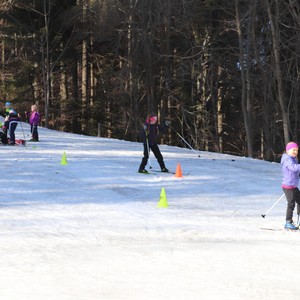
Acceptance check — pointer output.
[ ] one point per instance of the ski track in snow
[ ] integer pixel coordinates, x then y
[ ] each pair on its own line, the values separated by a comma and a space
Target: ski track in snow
92, 229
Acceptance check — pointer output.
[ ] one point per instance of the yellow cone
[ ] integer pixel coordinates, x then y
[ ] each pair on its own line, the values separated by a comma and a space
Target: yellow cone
64, 161
163, 203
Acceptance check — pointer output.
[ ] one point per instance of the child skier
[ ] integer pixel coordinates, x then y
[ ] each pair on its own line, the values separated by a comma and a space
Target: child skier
149, 136
11, 122
290, 181
34, 120
8, 107
4, 113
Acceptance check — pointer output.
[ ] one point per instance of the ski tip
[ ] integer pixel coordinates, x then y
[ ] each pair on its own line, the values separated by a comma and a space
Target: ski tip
271, 229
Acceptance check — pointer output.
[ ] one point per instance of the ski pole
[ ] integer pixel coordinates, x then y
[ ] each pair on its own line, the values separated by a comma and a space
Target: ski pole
184, 140
264, 215
23, 132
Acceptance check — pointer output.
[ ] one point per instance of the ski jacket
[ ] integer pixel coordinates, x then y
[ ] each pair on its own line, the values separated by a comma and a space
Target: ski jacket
151, 132
13, 116
290, 171
34, 118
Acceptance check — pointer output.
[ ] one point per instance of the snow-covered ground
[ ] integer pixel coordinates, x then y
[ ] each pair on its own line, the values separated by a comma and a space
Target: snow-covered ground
92, 230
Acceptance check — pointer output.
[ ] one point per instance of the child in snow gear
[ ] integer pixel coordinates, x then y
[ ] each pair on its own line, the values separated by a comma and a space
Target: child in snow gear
34, 120
7, 109
290, 181
149, 135
11, 122
3, 138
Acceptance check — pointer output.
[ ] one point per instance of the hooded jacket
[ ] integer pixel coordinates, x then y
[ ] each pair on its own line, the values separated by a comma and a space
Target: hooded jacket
290, 171
151, 132
34, 118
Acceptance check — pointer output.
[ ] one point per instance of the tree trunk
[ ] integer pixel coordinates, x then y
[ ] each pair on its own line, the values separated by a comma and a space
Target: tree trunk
278, 73
165, 96
219, 118
147, 36
84, 71
47, 63
131, 84
63, 94
245, 82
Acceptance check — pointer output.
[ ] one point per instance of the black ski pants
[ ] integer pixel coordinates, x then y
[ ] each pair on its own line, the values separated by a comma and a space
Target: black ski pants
34, 132
292, 197
157, 154
11, 125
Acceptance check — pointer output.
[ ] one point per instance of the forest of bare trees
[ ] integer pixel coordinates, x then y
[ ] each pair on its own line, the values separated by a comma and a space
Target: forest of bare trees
224, 72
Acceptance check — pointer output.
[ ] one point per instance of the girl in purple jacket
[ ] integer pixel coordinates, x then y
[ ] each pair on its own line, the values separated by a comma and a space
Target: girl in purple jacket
34, 120
290, 181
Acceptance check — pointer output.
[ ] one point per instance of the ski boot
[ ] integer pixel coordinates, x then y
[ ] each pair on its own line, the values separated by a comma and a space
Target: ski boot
289, 225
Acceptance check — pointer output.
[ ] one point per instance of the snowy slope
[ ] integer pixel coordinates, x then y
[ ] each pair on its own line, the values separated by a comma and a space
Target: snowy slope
91, 229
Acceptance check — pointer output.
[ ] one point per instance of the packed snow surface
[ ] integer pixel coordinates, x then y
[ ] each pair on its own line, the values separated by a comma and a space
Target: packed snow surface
92, 229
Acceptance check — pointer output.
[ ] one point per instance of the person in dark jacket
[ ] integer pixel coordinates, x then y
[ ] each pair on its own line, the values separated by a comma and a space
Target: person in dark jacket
11, 122
149, 135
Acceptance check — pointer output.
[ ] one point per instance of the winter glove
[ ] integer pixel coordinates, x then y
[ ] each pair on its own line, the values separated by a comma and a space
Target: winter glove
145, 127
167, 123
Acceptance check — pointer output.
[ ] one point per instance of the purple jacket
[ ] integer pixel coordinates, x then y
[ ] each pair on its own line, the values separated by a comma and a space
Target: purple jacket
290, 170
34, 118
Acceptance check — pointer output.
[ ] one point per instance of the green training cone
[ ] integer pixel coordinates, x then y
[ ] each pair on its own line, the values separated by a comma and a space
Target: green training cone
64, 161
163, 203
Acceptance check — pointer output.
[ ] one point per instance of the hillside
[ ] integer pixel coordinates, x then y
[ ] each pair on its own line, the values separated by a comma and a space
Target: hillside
92, 230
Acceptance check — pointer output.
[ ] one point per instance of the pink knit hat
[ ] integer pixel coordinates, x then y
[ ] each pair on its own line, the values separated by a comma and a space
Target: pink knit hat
151, 118
290, 146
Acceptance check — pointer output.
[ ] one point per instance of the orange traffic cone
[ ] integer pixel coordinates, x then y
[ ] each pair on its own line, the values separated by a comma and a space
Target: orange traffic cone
178, 171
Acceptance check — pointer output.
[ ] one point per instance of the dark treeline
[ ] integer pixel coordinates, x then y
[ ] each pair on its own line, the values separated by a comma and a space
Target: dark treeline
224, 72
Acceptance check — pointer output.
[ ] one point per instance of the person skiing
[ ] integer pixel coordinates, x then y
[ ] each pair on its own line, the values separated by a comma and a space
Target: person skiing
149, 134
34, 121
290, 181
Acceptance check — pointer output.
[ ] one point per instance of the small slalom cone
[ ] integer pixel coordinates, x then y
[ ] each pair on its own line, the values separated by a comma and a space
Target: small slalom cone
178, 171
163, 203
64, 161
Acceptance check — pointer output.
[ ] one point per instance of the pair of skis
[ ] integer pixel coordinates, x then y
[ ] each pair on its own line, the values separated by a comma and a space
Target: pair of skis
286, 229
154, 172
